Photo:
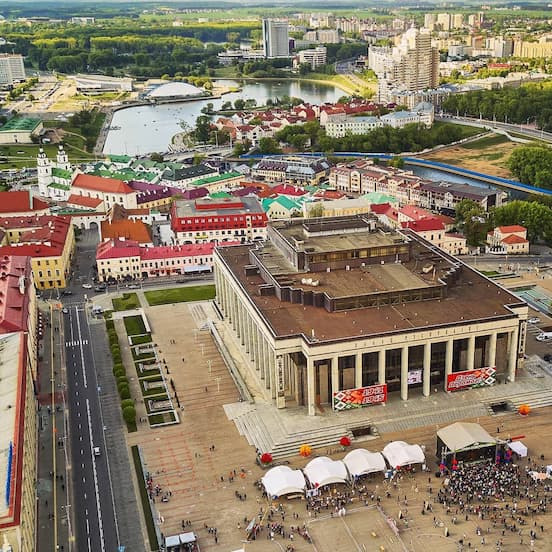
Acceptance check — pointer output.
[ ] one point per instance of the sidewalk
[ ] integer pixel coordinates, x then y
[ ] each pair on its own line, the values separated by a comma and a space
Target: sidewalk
51, 439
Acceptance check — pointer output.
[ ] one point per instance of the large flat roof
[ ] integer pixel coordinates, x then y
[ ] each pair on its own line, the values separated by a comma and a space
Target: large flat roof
10, 350
472, 297
20, 124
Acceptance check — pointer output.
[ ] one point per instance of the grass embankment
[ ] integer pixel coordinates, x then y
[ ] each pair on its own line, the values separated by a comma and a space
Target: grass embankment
150, 526
180, 295
489, 154
128, 301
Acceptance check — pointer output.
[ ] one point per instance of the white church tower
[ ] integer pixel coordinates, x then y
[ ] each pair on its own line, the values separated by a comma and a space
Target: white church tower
62, 159
44, 170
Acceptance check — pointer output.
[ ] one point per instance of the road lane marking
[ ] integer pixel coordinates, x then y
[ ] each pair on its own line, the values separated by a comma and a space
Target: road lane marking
81, 350
87, 525
95, 475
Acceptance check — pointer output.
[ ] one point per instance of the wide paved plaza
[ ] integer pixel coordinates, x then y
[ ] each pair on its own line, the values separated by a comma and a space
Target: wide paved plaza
203, 485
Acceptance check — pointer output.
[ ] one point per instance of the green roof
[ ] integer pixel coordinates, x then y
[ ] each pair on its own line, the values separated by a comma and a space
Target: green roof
216, 178
20, 124
378, 198
59, 186
119, 158
220, 195
267, 202
287, 203
62, 173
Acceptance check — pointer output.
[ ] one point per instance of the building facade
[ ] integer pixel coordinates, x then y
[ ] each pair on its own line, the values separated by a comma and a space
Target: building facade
218, 220
12, 69
417, 319
275, 38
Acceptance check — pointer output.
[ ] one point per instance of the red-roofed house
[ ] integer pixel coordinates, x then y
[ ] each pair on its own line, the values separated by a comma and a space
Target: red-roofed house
48, 240
288, 190
508, 240
387, 214
126, 229
433, 230
109, 190
87, 203
21, 204
118, 259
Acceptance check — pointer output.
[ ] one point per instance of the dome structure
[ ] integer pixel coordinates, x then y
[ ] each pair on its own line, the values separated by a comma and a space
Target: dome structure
175, 89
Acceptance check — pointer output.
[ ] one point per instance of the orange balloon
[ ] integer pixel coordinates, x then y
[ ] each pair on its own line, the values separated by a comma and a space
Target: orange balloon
305, 450
524, 409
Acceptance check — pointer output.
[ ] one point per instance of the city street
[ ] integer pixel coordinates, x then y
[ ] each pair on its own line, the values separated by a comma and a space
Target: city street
93, 506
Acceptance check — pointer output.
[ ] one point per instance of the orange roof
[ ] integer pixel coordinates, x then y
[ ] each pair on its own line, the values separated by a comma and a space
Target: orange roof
134, 230
83, 201
101, 184
512, 229
20, 202
512, 238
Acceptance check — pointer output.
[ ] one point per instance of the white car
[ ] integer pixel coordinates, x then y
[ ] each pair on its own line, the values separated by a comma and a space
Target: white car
544, 336
97, 451
534, 320
87, 286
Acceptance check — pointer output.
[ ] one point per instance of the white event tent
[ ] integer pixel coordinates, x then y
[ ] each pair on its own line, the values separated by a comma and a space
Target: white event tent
325, 471
361, 462
518, 447
399, 453
282, 480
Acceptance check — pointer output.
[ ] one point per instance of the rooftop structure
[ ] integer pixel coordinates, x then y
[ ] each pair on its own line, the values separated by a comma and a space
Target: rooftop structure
20, 203
125, 229
347, 289
175, 89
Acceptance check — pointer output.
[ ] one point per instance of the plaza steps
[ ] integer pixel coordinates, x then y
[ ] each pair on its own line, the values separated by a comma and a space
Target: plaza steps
434, 417
263, 430
535, 398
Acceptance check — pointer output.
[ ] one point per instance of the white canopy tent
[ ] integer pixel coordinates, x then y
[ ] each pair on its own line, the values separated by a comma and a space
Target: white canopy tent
399, 453
464, 435
174, 541
325, 471
282, 480
518, 447
361, 462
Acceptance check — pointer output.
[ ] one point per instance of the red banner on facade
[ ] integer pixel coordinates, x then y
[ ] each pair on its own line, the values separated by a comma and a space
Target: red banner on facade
357, 398
471, 378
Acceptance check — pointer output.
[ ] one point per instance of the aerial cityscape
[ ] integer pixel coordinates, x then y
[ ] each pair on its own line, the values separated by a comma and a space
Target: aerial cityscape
275, 276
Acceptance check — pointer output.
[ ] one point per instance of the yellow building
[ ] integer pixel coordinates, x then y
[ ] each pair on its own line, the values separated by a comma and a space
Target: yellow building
337, 208
48, 240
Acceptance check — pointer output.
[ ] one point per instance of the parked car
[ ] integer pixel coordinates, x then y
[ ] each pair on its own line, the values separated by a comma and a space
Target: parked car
87, 286
97, 451
64, 310
544, 336
134, 286
66, 292
534, 320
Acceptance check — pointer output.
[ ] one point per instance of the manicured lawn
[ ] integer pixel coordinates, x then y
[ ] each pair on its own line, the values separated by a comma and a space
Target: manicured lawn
467, 131
150, 526
128, 301
180, 295
134, 325
140, 339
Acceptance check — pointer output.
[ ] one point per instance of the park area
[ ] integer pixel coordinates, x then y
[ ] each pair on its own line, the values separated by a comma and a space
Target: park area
179, 295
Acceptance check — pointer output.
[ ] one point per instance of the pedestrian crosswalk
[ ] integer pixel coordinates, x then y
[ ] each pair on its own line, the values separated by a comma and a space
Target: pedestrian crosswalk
76, 343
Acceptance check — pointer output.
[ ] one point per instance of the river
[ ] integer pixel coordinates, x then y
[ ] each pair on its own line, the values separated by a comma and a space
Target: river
149, 128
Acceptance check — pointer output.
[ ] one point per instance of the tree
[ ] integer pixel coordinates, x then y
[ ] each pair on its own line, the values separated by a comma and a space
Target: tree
226, 106
202, 129
239, 104
316, 210
473, 221
129, 414
239, 149
532, 165
269, 145
157, 157
127, 402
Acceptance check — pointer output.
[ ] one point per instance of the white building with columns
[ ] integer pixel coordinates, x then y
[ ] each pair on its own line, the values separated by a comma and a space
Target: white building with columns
342, 312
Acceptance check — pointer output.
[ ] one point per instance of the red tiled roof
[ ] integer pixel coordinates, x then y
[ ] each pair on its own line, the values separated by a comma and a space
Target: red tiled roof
14, 305
424, 225
45, 235
379, 209
512, 238
329, 194
20, 202
115, 249
289, 190
83, 201
134, 230
511, 229
101, 184
415, 213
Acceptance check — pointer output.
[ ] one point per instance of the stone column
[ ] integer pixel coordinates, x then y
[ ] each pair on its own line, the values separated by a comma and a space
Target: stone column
381, 366
310, 388
404, 373
335, 375
358, 370
448, 360
513, 354
427, 370
279, 380
470, 358
491, 351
